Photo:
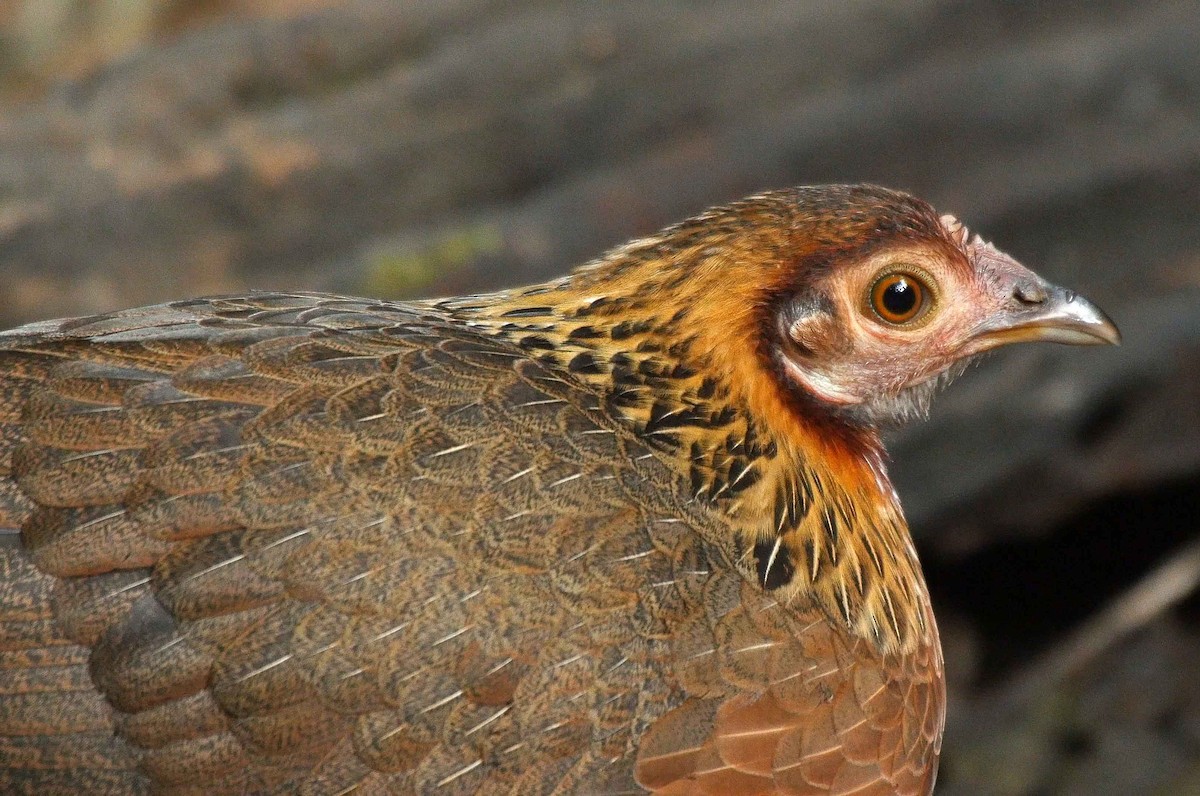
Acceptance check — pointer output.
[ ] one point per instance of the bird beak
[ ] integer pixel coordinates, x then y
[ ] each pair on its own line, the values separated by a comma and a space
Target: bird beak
1028, 309
1043, 312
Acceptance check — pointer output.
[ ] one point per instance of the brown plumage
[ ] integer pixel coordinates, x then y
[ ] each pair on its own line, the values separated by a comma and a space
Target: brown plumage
625, 532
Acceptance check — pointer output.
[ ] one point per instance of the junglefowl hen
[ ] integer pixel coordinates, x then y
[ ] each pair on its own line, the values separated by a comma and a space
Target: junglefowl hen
628, 531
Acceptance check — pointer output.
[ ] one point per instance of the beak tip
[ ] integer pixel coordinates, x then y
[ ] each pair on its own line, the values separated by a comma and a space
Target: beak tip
1061, 316
1096, 322
1067, 317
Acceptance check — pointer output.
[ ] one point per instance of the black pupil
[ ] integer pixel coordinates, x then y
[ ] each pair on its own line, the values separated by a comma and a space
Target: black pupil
899, 298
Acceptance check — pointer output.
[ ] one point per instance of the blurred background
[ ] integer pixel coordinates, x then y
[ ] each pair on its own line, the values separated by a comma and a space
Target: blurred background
158, 149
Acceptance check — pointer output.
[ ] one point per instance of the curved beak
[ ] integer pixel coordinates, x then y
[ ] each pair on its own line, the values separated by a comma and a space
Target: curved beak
1047, 313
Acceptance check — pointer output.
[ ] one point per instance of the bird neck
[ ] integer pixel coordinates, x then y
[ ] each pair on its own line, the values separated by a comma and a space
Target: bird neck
806, 498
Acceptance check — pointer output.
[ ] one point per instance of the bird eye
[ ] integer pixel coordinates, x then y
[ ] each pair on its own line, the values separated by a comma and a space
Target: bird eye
898, 297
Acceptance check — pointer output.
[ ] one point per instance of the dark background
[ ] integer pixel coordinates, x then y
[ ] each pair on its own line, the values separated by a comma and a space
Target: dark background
157, 149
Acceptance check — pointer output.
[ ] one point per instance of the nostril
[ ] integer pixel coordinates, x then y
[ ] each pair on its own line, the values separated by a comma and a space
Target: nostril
1029, 293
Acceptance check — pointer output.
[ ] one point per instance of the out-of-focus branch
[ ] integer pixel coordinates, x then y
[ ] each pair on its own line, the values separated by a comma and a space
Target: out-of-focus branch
1160, 589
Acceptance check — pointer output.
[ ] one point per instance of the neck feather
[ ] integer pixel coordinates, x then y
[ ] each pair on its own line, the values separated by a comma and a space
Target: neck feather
676, 350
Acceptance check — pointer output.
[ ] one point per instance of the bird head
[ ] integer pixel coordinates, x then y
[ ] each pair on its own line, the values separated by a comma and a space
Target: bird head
891, 301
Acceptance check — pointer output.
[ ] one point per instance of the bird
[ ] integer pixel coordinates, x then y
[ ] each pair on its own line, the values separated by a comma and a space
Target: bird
628, 531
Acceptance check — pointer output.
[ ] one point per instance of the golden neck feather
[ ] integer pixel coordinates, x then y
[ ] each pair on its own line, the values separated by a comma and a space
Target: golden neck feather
668, 331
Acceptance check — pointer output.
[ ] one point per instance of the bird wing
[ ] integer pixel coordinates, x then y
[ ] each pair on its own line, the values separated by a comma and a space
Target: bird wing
305, 543
782, 702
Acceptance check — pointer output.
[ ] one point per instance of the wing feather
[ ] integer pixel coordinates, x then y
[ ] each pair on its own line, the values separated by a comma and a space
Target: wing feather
315, 543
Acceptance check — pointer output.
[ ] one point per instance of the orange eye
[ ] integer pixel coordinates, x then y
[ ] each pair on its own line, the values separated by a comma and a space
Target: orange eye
898, 297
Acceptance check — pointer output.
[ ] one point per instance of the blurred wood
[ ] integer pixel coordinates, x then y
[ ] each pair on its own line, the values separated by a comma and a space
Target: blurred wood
1015, 727
1162, 588
261, 151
